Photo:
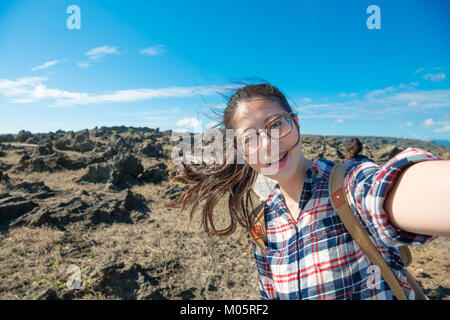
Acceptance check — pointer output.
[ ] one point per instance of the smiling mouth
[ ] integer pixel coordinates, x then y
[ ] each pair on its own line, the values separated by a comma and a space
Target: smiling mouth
283, 155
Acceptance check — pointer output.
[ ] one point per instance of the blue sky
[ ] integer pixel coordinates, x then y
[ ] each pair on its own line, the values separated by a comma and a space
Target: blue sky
164, 63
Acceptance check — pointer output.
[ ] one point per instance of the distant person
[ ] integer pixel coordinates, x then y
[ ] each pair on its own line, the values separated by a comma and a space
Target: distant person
353, 148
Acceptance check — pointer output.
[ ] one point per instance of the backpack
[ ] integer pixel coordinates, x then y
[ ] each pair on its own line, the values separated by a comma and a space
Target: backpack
340, 204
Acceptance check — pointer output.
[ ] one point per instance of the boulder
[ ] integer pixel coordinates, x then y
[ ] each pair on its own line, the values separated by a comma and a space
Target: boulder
127, 164
13, 207
87, 211
23, 135
98, 172
44, 147
155, 174
151, 149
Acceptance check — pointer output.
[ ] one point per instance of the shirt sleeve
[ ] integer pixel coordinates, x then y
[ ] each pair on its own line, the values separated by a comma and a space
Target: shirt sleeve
366, 186
266, 287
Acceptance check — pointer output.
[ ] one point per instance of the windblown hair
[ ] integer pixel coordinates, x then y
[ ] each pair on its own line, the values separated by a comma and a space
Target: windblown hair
353, 148
210, 183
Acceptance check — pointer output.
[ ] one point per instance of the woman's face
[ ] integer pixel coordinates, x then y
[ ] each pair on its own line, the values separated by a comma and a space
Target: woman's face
255, 115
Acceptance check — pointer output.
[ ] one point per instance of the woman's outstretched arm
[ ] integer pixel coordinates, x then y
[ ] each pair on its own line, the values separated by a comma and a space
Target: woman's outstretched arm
419, 201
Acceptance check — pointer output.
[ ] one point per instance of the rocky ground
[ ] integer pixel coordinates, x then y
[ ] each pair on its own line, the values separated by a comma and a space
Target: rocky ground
82, 217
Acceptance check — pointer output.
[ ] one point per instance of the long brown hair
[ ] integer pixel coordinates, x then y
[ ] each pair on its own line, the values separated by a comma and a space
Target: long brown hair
353, 148
210, 183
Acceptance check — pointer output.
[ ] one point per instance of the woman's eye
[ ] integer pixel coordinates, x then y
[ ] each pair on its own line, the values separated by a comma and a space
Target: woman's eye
249, 139
276, 124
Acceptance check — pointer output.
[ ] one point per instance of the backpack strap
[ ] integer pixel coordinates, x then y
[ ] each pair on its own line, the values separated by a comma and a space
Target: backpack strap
340, 204
258, 230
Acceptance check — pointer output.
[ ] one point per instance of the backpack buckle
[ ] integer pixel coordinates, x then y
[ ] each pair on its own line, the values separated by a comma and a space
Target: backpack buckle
256, 232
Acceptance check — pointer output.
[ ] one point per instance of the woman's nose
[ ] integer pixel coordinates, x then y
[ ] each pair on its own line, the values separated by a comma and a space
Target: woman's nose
268, 146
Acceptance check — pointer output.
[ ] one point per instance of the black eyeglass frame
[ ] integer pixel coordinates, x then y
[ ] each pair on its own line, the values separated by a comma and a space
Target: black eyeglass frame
289, 114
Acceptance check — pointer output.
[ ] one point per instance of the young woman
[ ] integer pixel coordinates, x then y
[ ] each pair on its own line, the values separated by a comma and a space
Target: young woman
309, 254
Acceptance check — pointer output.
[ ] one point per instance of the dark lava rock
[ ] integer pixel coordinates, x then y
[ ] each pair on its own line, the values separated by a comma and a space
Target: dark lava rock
85, 146
152, 150
127, 281
4, 179
83, 212
23, 136
126, 168
174, 191
386, 153
7, 138
51, 163
38, 190
63, 144
44, 148
155, 174
128, 164
13, 207
98, 172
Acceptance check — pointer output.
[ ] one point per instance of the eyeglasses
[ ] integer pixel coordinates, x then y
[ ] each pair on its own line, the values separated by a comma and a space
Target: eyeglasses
278, 128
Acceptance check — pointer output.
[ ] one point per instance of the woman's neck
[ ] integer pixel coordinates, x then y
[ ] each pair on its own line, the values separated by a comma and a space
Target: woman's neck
292, 188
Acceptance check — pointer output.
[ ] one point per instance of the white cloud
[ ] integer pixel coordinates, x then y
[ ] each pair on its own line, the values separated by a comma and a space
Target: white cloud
26, 90
305, 100
435, 77
444, 125
429, 123
419, 70
20, 87
189, 122
83, 64
153, 51
347, 95
339, 121
408, 124
443, 129
48, 64
99, 52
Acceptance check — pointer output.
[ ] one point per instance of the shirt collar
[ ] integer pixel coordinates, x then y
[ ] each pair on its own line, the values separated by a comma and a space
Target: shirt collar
319, 169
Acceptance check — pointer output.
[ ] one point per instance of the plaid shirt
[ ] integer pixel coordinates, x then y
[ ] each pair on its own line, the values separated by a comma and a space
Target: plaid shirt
315, 258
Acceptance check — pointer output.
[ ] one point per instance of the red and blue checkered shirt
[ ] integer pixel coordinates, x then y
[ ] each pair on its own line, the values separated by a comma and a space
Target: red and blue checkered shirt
315, 258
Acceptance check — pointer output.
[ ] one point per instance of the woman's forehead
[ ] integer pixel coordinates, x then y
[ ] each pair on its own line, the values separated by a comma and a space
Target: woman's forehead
251, 114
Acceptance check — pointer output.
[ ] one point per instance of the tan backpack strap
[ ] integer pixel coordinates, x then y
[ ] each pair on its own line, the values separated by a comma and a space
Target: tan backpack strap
420, 295
356, 230
405, 254
258, 229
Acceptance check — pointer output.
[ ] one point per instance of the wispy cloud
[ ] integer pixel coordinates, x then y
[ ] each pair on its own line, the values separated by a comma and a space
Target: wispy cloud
48, 64
154, 50
347, 95
100, 52
439, 126
188, 122
27, 90
379, 104
83, 64
435, 77
443, 129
